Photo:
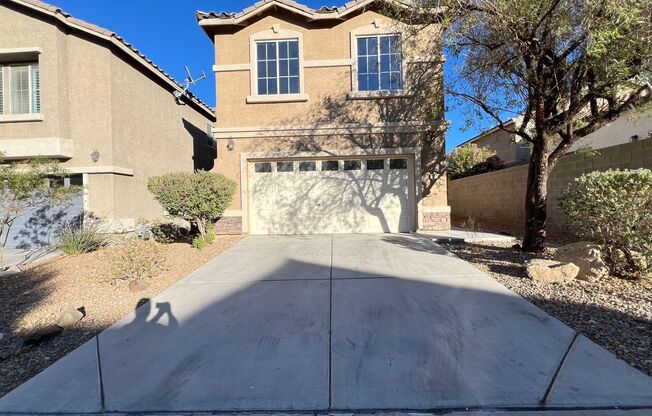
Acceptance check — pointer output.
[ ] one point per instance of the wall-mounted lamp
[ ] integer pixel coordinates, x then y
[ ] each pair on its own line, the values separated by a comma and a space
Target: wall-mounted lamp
230, 145
95, 155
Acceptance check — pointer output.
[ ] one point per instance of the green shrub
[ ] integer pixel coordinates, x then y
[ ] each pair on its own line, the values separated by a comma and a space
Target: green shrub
137, 260
614, 208
78, 238
199, 197
471, 160
168, 232
199, 242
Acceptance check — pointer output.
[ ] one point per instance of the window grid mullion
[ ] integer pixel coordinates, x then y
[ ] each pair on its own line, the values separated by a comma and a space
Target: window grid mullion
278, 68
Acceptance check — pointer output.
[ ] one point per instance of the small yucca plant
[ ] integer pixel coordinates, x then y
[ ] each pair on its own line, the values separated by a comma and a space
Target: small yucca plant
78, 239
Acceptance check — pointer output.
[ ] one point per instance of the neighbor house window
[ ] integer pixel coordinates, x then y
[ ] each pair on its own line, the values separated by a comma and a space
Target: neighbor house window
379, 63
278, 67
20, 89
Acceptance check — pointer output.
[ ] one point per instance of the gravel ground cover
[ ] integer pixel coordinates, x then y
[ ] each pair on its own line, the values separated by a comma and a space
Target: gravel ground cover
614, 313
37, 296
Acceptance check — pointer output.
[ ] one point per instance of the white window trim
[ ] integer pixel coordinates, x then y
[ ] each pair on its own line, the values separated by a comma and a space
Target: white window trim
375, 29
274, 34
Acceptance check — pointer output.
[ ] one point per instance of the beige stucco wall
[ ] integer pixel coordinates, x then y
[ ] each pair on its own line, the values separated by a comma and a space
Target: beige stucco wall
98, 98
498, 198
327, 81
327, 87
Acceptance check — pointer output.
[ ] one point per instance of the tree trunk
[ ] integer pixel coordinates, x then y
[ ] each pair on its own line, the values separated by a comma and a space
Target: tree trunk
536, 201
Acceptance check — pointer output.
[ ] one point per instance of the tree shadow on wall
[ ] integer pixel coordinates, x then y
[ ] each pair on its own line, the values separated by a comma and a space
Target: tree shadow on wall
341, 125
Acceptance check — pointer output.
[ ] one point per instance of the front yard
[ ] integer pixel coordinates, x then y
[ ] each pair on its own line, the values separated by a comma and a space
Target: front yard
615, 313
37, 296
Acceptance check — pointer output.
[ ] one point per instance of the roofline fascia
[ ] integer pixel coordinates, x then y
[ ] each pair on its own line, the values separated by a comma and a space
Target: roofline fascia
312, 16
486, 132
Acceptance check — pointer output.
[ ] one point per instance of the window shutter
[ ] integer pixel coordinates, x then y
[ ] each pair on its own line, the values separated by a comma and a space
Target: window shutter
2, 97
19, 89
36, 88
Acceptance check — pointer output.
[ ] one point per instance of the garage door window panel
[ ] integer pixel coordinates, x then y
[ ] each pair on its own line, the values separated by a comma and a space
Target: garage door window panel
375, 164
330, 165
285, 166
352, 164
308, 166
263, 167
398, 164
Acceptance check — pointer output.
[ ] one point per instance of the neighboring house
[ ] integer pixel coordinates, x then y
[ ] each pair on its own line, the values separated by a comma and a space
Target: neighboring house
510, 148
329, 120
629, 127
81, 94
513, 150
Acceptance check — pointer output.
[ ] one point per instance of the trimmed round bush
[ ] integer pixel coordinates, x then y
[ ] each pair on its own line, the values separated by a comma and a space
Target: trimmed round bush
200, 197
614, 208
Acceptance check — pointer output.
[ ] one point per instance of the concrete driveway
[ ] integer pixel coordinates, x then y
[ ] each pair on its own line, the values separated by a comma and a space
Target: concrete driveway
337, 323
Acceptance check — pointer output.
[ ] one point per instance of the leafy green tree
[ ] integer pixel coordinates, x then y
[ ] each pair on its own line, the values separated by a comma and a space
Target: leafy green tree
464, 160
567, 66
199, 198
25, 186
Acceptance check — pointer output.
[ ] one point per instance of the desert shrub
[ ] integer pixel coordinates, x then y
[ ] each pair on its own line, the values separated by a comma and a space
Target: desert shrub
77, 238
200, 242
614, 208
168, 232
470, 224
199, 197
471, 159
137, 260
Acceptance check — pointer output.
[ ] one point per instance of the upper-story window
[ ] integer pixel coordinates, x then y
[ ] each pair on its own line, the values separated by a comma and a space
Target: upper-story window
379, 63
20, 89
278, 67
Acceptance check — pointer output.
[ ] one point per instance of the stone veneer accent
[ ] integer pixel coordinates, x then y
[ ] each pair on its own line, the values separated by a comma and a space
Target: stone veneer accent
228, 226
436, 221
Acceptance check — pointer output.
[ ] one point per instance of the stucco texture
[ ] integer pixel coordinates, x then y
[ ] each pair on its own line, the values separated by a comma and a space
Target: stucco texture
414, 121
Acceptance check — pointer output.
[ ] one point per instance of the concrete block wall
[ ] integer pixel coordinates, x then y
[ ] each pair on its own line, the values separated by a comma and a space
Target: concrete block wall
498, 198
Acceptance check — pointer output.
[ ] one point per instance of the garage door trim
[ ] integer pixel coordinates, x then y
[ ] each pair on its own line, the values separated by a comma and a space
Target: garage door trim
246, 158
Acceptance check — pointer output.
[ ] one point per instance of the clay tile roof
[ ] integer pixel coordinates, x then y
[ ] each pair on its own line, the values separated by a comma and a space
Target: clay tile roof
109, 35
324, 12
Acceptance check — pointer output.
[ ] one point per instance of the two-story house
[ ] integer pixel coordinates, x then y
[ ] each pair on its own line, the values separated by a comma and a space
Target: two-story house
330, 120
81, 94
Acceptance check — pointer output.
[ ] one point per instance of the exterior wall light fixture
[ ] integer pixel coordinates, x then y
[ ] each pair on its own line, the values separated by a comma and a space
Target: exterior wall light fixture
230, 145
95, 155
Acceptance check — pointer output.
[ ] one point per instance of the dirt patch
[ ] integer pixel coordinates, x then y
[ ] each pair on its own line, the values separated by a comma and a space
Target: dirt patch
614, 313
37, 296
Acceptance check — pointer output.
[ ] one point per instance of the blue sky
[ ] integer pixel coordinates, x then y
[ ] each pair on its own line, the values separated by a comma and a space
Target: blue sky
166, 31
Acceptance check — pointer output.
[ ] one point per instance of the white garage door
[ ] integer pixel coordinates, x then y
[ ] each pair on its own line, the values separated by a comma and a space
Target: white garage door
350, 195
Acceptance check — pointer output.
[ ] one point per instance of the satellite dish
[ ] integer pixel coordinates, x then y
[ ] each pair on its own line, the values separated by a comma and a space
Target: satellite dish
178, 95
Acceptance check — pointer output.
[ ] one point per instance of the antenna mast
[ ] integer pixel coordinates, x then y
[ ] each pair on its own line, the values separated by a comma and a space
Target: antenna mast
187, 83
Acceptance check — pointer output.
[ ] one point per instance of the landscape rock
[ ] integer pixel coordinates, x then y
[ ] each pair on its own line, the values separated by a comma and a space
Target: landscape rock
71, 316
41, 335
551, 271
137, 285
587, 256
